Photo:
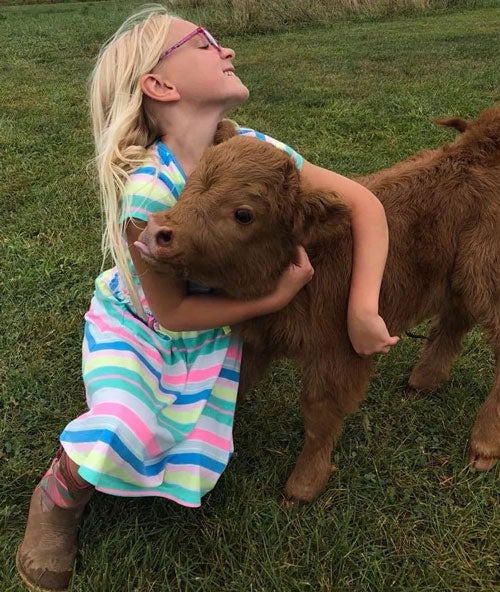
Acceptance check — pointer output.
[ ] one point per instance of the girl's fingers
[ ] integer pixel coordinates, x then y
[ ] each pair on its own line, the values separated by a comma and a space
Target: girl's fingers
303, 262
302, 257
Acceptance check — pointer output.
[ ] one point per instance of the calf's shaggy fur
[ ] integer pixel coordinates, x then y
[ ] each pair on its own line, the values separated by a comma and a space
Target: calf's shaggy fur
443, 211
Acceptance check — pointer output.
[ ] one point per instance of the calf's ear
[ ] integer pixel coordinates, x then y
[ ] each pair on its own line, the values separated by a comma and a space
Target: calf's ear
289, 185
225, 130
317, 215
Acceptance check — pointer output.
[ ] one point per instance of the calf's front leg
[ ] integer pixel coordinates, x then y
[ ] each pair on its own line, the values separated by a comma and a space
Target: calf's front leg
254, 364
332, 388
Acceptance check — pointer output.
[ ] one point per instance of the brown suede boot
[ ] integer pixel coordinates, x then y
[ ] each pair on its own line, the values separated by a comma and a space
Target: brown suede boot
46, 556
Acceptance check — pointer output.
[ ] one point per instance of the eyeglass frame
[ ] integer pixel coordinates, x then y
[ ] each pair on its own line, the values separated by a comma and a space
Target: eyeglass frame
211, 40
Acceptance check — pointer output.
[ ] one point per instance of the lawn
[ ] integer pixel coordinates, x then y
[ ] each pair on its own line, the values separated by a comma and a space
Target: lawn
402, 512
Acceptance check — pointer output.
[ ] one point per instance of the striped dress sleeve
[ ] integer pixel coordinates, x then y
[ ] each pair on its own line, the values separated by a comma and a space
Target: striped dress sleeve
145, 194
246, 131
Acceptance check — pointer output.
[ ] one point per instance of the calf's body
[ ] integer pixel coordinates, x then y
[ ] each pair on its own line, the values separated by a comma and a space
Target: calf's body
443, 212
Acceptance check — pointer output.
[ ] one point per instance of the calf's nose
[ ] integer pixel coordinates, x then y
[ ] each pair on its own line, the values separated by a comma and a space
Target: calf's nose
162, 235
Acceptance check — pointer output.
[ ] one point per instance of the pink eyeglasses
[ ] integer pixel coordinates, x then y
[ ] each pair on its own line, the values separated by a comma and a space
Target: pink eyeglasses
213, 42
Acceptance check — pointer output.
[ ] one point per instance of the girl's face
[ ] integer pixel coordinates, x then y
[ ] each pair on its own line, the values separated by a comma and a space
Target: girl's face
202, 74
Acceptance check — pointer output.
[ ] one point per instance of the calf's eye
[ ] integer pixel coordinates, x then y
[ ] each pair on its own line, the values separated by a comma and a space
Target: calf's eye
243, 216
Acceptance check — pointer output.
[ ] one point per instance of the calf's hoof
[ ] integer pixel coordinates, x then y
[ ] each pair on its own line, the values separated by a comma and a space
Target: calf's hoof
424, 379
484, 444
305, 488
483, 464
478, 462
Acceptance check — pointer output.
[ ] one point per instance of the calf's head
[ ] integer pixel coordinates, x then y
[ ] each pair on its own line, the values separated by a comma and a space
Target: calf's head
239, 219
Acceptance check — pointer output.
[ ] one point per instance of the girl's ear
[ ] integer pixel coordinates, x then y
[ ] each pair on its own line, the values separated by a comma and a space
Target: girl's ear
225, 130
317, 213
154, 87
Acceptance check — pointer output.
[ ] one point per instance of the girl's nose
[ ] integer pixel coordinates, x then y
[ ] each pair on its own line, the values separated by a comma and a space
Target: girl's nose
227, 53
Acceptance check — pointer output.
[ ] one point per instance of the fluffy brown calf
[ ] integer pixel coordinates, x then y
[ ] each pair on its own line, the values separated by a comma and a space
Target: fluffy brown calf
236, 227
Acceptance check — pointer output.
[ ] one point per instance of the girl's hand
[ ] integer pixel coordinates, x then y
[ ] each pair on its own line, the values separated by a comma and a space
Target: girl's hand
368, 334
293, 279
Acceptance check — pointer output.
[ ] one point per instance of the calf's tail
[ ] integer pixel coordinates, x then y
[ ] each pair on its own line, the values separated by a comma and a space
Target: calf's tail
457, 122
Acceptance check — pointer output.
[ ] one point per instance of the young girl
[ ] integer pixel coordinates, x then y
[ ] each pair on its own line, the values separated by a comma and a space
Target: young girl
160, 364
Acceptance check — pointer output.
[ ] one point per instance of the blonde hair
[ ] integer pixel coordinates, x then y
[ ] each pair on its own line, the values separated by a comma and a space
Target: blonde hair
122, 127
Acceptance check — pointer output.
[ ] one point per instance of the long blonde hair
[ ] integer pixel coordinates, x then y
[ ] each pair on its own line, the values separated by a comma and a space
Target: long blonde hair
122, 126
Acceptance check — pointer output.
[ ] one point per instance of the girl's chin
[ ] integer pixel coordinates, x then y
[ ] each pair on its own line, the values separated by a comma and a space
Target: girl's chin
246, 92
241, 95
236, 84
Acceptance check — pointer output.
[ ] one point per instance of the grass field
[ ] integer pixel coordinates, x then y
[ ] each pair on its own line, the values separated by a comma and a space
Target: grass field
402, 512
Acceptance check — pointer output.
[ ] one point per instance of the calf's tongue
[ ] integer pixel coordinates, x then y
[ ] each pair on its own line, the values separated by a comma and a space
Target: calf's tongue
144, 249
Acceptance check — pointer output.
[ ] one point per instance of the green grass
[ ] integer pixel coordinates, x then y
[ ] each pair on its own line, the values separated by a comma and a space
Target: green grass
401, 513
271, 15
250, 16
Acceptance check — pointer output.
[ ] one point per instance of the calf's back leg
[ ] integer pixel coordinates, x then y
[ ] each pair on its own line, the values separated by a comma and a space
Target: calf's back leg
332, 388
446, 335
477, 267
484, 448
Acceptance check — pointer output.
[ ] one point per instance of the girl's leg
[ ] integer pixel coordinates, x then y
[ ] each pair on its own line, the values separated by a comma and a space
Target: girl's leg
45, 557
73, 472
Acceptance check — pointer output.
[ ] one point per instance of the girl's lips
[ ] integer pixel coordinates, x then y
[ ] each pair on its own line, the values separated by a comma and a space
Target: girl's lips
144, 249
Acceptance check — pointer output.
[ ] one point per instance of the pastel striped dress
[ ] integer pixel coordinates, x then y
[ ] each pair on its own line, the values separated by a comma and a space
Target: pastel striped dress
160, 403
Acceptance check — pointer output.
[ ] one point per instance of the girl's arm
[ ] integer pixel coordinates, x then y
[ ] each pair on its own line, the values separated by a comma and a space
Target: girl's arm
367, 330
177, 311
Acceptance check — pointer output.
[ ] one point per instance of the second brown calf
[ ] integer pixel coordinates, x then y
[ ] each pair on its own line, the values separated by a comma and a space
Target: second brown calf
443, 211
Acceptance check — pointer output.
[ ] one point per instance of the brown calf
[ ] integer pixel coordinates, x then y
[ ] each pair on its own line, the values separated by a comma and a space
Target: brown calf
443, 211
